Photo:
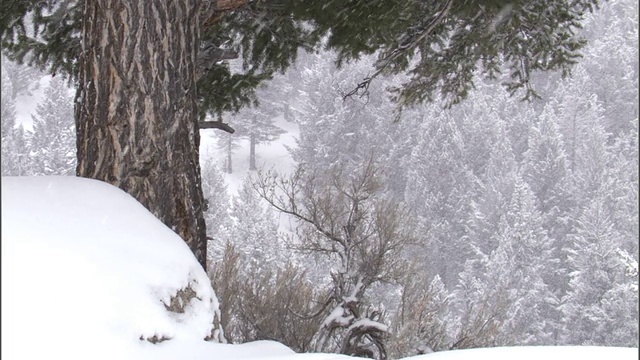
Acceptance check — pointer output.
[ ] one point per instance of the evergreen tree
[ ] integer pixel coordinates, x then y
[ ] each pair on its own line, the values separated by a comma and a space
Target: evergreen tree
611, 62
52, 141
217, 213
14, 148
440, 187
228, 144
624, 187
495, 193
255, 230
23, 79
545, 168
257, 123
505, 289
419, 325
601, 306
530, 267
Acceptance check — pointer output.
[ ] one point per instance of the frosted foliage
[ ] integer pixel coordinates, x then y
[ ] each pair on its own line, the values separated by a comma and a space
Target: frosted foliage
624, 188
14, 146
439, 188
420, 325
255, 230
342, 132
218, 206
611, 59
512, 288
22, 79
601, 289
53, 139
546, 162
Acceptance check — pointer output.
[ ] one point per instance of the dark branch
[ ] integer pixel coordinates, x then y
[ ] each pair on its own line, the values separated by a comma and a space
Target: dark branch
216, 125
410, 43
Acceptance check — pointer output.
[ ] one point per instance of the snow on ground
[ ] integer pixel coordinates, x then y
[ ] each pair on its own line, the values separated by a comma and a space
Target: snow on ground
86, 271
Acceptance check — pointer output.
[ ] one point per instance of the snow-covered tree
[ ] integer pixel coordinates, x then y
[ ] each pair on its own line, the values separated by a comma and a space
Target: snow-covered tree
495, 194
344, 132
22, 78
255, 230
53, 140
419, 325
611, 62
228, 144
439, 190
624, 200
8, 127
218, 206
601, 305
545, 169
257, 123
505, 290
361, 235
14, 147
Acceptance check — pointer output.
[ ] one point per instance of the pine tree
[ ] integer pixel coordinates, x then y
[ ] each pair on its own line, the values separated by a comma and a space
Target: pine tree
611, 62
506, 288
228, 144
440, 187
600, 301
23, 79
217, 213
531, 266
495, 193
545, 168
14, 148
255, 230
624, 187
419, 325
52, 141
257, 123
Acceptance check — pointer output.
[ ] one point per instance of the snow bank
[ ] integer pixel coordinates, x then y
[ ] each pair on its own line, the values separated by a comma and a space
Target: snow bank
84, 264
535, 353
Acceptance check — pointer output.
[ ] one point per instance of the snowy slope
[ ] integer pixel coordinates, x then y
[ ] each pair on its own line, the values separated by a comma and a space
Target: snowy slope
86, 271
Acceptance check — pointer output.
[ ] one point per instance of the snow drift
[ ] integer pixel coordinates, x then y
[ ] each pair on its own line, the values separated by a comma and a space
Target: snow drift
84, 262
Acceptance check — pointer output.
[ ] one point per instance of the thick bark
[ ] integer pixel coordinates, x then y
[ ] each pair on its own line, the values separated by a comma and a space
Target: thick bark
136, 113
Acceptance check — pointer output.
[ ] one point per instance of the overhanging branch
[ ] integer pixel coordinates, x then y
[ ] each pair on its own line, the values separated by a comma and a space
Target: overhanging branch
216, 125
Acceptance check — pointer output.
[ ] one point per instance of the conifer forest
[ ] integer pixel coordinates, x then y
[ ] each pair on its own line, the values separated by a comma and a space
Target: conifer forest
491, 205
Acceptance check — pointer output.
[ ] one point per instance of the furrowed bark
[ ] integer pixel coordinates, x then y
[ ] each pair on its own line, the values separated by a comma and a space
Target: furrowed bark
136, 110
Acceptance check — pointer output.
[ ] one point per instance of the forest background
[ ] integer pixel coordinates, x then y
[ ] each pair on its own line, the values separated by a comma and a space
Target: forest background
517, 221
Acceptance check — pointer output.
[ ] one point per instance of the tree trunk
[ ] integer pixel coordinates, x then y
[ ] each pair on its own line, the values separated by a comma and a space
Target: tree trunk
136, 110
229, 167
252, 152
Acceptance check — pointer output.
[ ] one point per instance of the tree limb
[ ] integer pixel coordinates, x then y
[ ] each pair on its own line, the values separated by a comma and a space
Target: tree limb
216, 125
407, 45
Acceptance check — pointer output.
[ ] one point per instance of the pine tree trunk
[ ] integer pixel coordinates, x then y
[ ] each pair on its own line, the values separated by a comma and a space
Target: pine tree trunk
229, 154
252, 152
136, 110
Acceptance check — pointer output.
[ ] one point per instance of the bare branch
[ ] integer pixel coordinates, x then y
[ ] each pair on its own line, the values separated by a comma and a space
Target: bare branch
216, 125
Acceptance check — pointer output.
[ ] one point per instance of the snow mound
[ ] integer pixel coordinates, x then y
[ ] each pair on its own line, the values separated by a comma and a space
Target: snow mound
535, 353
83, 262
